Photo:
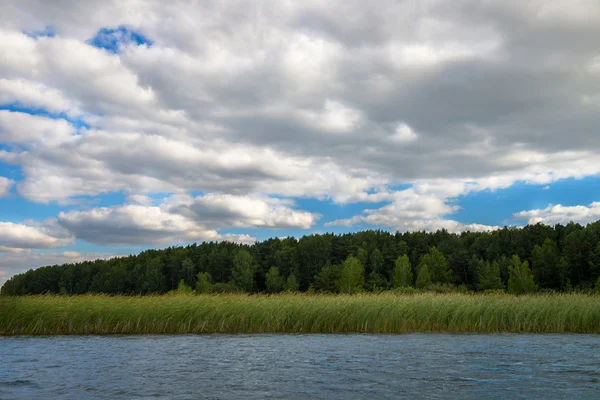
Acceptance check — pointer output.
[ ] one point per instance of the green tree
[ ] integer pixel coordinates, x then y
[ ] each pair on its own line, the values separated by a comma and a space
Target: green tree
156, 281
363, 256
402, 247
242, 274
548, 269
403, 275
352, 279
314, 253
597, 286
520, 278
291, 285
437, 265
116, 279
203, 284
327, 279
488, 277
274, 281
423, 277
187, 271
376, 282
182, 288
376, 262
594, 262
504, 262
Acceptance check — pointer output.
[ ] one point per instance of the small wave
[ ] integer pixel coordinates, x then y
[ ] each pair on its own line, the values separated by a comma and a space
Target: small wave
18, 383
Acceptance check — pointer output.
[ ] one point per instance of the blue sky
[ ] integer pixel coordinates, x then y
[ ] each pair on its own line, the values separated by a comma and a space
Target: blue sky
150, 125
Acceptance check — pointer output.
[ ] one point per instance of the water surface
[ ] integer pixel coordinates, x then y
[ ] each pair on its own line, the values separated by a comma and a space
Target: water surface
427, 366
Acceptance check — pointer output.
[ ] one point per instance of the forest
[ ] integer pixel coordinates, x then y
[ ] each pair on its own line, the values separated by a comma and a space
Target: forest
518, 260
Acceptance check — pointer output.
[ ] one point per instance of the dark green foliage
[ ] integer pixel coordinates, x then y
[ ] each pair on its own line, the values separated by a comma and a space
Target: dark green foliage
376, 262
274, 281
376, 282
548, 266
203, 284
594, 262
403, 276
562, 258
488, 277
188, 272
155, 281
222, 287
437, 265
182, 288
423, 277
520, 278
242, 274
291, 285
327, 279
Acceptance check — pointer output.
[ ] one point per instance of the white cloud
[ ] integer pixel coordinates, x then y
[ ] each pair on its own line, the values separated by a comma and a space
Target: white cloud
221, 210
181, 218
5, 185
139, 199
293, 91
404, 133
134, 224
35, 95
412, 210
559, 214
334, 118
22, 128
17, 237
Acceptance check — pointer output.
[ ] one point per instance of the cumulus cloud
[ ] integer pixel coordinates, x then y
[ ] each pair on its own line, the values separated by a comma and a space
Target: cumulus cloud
293, 90
412, 211
18, 237
182, 218
35, 95
559, 214
5, 185
23, 128
136, 224
222, 210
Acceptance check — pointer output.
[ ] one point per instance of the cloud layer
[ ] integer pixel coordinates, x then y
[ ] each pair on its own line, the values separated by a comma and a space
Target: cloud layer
559, 214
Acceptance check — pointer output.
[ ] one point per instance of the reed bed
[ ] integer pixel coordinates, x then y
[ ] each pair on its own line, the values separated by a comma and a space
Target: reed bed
298, 313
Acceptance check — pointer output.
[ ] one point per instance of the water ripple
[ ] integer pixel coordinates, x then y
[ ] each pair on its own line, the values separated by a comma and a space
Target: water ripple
433, 366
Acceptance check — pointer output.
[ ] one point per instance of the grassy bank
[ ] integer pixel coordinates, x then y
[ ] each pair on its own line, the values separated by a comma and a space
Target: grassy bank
299, 313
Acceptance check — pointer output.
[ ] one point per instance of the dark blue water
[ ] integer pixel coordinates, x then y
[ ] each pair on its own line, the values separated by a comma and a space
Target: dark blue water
427, 366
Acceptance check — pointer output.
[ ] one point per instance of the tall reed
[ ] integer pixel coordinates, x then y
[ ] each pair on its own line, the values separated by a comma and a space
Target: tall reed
298, 313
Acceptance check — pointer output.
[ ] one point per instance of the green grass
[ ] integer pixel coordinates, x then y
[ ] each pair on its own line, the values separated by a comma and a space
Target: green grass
299, 313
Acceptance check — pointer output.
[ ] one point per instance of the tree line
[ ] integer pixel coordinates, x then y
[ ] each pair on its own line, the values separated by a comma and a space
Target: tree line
519, 260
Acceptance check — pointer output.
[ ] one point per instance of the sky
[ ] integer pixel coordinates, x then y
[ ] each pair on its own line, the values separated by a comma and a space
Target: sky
128, 124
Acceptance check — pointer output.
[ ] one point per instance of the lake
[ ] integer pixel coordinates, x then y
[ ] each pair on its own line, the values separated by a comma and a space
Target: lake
427, 366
